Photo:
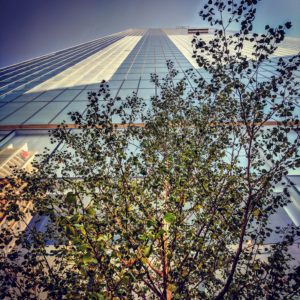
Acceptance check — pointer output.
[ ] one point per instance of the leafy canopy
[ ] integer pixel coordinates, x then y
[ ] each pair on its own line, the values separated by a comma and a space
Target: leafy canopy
175, 200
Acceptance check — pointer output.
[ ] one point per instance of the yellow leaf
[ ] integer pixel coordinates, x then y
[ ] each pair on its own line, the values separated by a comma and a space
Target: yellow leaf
144, 260
200, 265
256, 213
172, 287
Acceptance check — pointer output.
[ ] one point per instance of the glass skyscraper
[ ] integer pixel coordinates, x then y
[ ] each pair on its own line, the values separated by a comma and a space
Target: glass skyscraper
36, 95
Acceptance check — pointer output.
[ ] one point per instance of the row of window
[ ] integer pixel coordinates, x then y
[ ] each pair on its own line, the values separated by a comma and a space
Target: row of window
49, 67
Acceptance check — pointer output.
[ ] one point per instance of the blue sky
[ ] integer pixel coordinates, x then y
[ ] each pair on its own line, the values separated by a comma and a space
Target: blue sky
30, 28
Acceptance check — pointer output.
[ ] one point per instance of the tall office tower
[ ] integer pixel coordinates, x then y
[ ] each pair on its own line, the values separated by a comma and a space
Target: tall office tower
36, 95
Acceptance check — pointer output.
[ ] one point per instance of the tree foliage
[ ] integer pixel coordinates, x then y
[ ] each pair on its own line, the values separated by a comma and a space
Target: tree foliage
173, 202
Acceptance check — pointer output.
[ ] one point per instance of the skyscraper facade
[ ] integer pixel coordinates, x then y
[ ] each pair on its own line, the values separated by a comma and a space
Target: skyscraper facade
36, 95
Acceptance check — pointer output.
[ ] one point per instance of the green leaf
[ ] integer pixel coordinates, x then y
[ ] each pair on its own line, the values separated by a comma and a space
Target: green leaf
71, 198
169, 217
97, 296
80, 227
102, 237
90, 211
76, 218
148, 250
88, 259
150, 223
70, 230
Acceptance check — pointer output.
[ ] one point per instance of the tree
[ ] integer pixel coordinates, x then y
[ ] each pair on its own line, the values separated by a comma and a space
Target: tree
173, 202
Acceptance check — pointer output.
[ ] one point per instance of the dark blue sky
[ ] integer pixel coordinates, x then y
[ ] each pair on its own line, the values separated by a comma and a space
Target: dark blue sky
30, 28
